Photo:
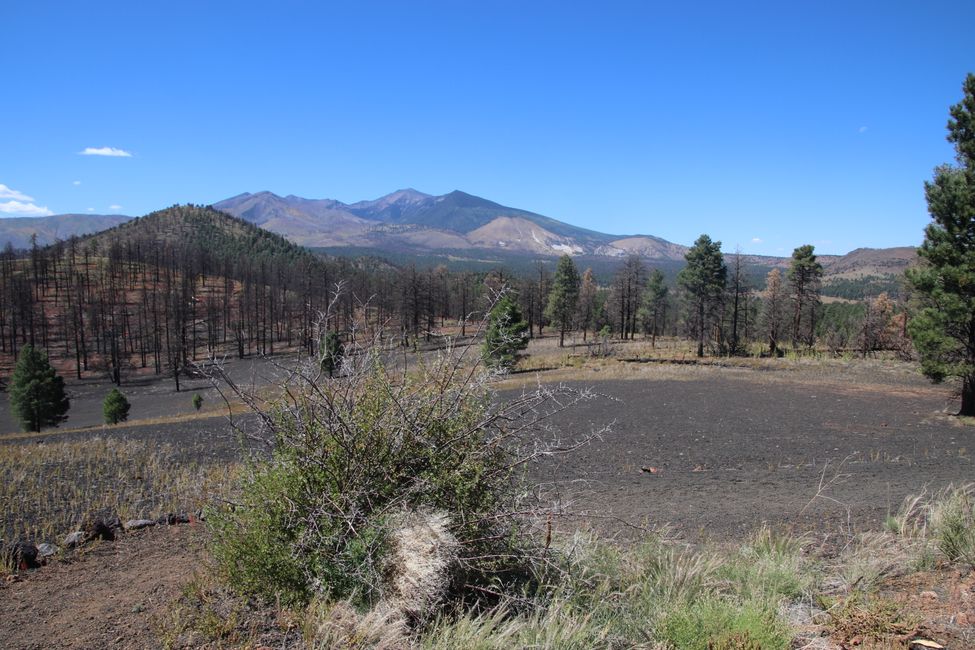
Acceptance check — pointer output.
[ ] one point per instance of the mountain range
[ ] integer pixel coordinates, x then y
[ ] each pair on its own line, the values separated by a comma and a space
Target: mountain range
459, 226
408, 220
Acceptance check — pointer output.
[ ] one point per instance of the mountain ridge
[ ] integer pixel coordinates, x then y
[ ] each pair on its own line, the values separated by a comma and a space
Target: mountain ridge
458, 224
458, 220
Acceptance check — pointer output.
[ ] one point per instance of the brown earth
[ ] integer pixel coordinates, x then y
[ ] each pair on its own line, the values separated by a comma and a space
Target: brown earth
108, 595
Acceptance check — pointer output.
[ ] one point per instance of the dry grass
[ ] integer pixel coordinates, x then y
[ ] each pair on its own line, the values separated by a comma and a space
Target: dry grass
674, 359
47, 490
223, 411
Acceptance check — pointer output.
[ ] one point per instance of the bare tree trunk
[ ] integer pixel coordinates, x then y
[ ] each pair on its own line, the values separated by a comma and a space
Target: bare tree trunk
968, 396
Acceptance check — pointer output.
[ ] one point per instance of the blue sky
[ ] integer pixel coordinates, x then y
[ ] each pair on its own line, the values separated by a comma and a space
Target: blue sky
766, 126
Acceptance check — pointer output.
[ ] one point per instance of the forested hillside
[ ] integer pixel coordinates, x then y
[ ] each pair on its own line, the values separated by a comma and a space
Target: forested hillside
181, 285
157, 293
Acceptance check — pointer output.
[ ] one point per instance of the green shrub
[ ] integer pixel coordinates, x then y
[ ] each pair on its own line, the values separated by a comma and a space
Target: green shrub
197, 401
769, 566
349, 458
115, 408
711, 623
953, 521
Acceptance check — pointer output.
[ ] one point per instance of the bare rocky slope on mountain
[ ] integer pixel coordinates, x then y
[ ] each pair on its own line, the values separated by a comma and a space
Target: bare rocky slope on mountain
864, 262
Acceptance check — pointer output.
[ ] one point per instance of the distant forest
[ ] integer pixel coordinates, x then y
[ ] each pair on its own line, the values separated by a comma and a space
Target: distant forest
178, 286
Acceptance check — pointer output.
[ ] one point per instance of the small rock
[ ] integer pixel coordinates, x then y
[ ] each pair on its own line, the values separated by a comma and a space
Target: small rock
20, 556
100, 529
172, 519
963, 619
136, 524
929, 595
919, 644
46, 550
72, 540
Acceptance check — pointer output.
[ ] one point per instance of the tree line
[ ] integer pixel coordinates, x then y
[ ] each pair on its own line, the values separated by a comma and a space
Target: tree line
189, 283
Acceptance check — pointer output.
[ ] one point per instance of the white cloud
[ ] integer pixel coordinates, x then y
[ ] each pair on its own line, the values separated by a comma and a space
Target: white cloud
21, 209
105, 151
76, 183
91, 209
115, 206
757, 240
862, 129
10, 193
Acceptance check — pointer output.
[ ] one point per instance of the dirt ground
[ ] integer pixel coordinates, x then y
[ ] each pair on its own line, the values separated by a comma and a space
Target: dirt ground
109, 595
712, 451
716, 452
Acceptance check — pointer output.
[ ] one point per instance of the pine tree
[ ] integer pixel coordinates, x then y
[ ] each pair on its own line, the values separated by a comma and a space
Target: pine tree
805, 274
563, 297
332, 353
506, 334
115, 408
704, 279
37, 396
943, 326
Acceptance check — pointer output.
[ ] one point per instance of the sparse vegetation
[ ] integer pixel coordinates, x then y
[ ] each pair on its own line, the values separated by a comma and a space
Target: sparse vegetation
48, 490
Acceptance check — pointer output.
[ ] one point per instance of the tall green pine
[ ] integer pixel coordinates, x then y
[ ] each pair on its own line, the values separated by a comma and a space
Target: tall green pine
507, 333
805, 275
563, 297
704, 279
37, 397
943, 325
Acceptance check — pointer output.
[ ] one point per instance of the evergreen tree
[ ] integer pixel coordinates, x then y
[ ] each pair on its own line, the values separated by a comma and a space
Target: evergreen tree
333, 353
943, 326
805, 274
506, 334
115, 408
37, 396
704, 279
563, 297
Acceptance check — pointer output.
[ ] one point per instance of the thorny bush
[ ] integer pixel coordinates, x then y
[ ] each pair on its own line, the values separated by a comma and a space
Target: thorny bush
350, 456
